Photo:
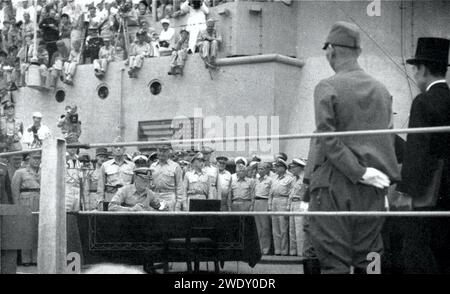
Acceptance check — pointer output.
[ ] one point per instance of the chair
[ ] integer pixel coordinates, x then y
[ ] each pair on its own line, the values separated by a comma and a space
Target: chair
200, 242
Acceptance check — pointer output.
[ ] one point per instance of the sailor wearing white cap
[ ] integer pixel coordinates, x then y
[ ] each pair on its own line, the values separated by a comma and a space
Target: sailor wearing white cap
297, 204
278, 201
140, 160
35, 133
167, 33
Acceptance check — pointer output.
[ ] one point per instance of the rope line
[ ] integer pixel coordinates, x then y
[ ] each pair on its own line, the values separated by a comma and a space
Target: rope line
271, 213
443, 129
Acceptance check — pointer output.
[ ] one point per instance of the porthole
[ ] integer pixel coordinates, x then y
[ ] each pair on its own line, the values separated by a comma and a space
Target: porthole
103, 92
155, 87
60, 95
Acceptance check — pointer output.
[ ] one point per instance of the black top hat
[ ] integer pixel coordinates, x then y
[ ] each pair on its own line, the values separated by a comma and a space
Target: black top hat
431, 50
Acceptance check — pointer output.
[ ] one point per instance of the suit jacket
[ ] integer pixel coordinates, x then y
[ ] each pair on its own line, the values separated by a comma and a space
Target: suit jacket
352, 100
423, 151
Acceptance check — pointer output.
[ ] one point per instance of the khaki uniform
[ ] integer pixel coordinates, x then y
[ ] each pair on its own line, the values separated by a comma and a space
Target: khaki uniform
209, 49
11, 132
138, 53
351, 100
112, 177
242, 191
127, 197
278, 201
168, 181
296, 223
73, 185
225, 186
263, 187
212, 172
92, 200
26, 184
197, 186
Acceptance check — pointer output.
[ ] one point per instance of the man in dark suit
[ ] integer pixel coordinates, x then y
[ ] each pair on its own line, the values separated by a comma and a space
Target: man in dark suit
351, 173
425, 171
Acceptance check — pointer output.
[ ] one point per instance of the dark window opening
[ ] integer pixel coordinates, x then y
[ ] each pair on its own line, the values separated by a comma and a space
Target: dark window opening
155, 87
103, 92
60, 95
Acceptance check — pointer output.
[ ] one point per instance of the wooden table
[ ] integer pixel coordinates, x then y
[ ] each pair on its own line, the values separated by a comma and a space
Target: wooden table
138, 239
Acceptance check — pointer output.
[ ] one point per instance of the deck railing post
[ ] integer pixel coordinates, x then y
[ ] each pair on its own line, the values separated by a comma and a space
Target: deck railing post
52, 245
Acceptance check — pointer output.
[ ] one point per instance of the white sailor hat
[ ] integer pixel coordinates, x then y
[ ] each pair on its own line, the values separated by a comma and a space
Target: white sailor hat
240, 160
37, 114
298, 162
281, 162
199, 156
165, 20
140, 157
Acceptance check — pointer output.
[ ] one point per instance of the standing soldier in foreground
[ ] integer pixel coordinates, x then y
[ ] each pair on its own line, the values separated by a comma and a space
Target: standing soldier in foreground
350, 173
26, 188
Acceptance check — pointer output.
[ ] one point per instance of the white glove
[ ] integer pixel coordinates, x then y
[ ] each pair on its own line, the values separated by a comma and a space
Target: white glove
163, 205
304, 206
375, 178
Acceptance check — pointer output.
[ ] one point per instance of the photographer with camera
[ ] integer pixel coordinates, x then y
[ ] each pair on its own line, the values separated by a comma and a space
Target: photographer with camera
36, 133
70, 125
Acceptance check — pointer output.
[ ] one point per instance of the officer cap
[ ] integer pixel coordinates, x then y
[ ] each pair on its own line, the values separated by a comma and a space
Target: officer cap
184, 162
240, 160
256, 158
153, 156
298, 162
84, 157
281, 162
222, 158
143, 171
8, 105
207, 150
165, 147
344, 34
281, 155
101, 151
140, 157
180, 153
198, 156
37, 114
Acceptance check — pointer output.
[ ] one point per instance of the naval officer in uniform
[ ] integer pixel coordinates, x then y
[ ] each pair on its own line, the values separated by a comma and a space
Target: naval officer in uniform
350, 173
